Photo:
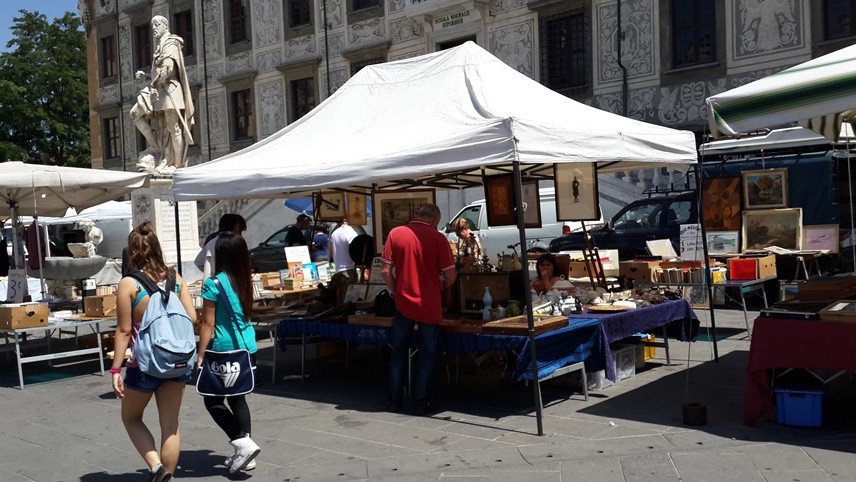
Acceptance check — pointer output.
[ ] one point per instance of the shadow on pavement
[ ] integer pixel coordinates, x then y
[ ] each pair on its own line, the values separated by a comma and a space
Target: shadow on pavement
194, 463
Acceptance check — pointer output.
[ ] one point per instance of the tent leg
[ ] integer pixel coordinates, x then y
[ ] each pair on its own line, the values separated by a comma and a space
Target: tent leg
16, 248
39, 249
177, 238
518, 193
850, 188
707, 275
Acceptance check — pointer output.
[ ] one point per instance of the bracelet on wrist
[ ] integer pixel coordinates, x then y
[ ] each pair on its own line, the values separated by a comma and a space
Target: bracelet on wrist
115, 370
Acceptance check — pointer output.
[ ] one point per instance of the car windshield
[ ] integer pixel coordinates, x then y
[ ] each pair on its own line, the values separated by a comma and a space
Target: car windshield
640, 217
471, 214
277, 238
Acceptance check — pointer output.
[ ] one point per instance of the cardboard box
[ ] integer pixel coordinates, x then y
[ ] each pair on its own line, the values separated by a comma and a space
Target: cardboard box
767, 266
100, 306
19, 316
638, 271
752, 268
578, 269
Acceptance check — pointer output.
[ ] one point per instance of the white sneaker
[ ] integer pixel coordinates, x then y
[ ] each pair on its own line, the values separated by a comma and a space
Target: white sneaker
249, 466
245, 451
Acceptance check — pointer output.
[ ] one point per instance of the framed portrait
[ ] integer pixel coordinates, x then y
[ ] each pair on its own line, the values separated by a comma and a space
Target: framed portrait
357, 209
723, 242
391, 209
822, 237
765, 189
772, 227
576, 192
331, 206
721, 204
500, 200
531, 204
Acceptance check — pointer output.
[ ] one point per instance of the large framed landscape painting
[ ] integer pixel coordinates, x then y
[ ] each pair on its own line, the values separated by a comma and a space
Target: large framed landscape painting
391, 209
721, 204
772, 227
765, 189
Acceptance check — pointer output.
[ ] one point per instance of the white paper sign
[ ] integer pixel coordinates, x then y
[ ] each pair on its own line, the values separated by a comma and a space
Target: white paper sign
692, 248
17, 286
297, 253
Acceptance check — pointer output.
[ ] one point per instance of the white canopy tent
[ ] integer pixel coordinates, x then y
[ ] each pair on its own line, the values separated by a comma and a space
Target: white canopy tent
450, 112
441, 120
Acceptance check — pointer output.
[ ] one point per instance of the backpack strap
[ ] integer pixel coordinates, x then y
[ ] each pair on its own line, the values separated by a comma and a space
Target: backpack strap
221, 293
152, 287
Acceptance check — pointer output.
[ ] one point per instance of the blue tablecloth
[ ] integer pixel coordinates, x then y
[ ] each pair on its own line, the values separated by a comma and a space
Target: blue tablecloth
582, 340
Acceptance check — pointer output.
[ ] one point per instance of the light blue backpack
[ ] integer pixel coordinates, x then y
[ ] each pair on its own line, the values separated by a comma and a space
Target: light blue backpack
166, 345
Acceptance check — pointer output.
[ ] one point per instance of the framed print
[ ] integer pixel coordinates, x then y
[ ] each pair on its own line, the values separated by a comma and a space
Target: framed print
357, 209
823, 237
765, 189
500, 200
772, 227
531, 204
723, 242
331, 206
391, 209
721, 204
355, 292
576, 192
696, 295
788, 291
374, 290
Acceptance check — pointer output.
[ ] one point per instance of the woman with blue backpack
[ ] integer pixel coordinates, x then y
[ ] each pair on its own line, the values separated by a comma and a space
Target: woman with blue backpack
155, 317
226, 367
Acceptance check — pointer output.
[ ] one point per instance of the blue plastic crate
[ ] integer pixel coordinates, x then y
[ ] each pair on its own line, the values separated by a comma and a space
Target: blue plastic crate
803, 408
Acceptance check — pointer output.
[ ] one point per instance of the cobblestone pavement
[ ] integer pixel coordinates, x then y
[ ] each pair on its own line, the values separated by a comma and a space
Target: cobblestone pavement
332, 427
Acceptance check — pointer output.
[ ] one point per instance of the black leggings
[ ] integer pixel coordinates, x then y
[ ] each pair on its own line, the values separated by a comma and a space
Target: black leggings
235, 422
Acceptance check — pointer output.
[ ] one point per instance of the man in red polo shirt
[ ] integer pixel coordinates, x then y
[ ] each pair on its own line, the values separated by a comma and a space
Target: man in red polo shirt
423, 263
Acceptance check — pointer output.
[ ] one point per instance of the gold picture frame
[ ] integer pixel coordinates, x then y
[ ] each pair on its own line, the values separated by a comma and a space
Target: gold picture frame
357, 209
765, 188
391, 209
331, 206
772, 227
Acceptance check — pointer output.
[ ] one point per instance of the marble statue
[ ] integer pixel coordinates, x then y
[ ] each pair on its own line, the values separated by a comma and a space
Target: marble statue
163, 112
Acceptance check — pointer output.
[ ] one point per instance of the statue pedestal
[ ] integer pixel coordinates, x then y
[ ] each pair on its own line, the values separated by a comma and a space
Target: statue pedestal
155, 204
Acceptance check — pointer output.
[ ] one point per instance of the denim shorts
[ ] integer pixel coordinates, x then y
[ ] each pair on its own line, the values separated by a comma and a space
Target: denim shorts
141, 382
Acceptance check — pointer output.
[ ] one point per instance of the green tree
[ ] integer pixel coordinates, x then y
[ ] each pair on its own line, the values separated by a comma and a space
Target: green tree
44, 105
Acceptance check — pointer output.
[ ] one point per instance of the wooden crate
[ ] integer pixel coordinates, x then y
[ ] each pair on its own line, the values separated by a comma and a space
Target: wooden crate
519, 325
371, 320
100, 306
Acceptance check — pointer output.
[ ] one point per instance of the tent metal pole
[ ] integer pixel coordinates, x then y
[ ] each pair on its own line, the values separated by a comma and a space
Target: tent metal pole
530, 319
39, 252
850, 188
177, 238
16, 250
708, 277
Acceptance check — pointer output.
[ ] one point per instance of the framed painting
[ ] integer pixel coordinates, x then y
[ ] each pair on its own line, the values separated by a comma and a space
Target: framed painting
331, 206
531, 204
500, 200
765, 189
576, 192
788, 290
723, 242
357, 209
822, 237
721, 204
772, 227
391, 209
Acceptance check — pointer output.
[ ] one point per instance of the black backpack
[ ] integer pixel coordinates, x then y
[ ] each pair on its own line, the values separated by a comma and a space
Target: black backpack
384, 305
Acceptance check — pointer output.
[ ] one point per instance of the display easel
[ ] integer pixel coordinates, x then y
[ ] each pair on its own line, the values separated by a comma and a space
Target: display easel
591, 256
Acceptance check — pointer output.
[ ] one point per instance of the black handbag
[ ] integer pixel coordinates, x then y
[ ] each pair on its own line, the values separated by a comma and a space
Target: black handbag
226, 373
384, 305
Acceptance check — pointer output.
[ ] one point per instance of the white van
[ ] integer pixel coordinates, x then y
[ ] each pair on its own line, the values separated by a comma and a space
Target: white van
498, 239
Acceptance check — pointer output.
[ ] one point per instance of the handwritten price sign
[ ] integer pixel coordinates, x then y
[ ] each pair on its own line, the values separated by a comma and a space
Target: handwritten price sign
17, 286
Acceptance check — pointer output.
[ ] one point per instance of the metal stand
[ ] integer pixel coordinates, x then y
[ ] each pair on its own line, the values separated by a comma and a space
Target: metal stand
594, 266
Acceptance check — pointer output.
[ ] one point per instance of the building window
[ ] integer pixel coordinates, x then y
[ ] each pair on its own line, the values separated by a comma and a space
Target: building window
838, 16
564, 53
108, 57
299, 13
143, 45
237, 21
242, 115
302, 97
358, 66
183, 27
693, 32
364, 4
111, 137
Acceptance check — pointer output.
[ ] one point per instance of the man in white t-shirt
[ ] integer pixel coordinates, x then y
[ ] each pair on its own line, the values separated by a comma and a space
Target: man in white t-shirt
205, 259
338, 245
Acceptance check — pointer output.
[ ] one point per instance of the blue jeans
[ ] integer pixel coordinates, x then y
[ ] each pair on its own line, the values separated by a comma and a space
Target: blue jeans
402, 333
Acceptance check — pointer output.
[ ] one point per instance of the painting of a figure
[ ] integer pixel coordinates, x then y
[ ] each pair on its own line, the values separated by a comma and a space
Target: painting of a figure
576, 192
765, 189
772, 227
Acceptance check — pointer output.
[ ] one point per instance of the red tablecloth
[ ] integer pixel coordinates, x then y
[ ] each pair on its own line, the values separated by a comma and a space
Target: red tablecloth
781, 343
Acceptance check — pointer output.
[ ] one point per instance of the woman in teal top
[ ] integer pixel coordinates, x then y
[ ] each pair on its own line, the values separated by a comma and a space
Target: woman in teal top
233, 271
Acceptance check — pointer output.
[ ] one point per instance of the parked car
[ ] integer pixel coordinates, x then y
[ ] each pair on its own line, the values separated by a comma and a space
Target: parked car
638, 222
497, 239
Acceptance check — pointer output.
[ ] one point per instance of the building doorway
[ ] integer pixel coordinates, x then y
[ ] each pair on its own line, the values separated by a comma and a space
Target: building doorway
454, 43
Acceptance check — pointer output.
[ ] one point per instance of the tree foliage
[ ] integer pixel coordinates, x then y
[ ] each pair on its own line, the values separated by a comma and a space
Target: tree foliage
44, 105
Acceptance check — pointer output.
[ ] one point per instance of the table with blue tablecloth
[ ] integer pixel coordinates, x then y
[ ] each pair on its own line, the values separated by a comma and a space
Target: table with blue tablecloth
580, 341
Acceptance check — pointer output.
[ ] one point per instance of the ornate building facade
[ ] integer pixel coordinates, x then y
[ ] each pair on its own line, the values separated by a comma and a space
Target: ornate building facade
268, 62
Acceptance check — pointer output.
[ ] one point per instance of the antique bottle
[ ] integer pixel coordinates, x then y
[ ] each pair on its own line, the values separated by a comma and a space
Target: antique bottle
488, 304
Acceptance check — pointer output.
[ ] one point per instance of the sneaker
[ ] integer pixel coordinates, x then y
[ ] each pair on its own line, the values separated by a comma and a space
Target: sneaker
162, 475
245, 451
249, 466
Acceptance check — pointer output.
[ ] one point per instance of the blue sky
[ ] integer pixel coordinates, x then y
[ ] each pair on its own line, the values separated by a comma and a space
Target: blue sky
9, 10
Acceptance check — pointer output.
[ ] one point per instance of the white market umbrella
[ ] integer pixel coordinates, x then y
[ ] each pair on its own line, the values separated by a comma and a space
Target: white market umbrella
818, 94
35, 189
